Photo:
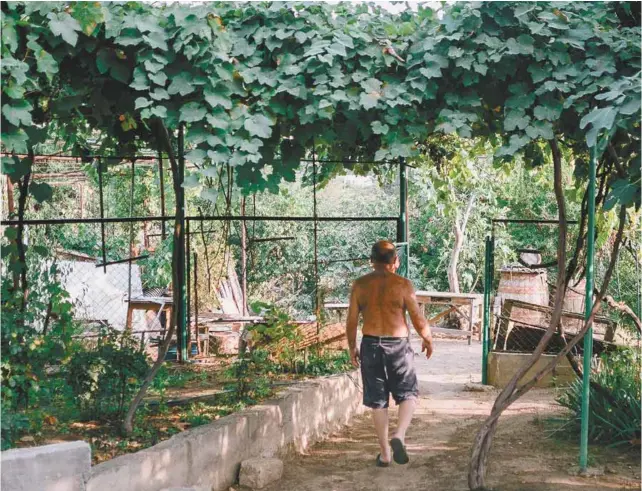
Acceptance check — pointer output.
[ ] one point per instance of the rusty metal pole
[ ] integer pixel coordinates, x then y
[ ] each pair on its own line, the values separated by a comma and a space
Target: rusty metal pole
102, 214
317, 306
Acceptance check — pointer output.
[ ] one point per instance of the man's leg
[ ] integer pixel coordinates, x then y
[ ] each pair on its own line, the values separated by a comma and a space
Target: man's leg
375, 393
403, 385
406, 410
380, 418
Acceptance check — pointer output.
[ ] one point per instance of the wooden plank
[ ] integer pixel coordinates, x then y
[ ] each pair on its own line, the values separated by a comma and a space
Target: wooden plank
467, 296
440, 315
548, 310
452, 332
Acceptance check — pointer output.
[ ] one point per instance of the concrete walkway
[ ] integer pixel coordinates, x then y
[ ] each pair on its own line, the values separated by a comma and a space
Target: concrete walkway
524, 456
345, 461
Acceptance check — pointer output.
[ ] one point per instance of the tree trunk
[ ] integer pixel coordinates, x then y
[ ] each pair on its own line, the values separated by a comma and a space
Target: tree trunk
128, 423
483, 439
453, 279
459, 231
22, 258
10, 204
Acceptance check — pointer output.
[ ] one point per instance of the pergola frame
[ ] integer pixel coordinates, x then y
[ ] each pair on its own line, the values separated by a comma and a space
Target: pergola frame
184, 222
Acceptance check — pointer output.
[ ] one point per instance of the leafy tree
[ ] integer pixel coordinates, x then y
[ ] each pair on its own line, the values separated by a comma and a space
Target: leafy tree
36, 332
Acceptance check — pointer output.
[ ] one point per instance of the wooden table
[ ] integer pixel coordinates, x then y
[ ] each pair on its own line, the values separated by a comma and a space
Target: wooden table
456, 302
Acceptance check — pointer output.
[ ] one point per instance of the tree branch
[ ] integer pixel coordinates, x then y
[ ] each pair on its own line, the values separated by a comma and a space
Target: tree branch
616, 160
128, 423
625, 309
483, 439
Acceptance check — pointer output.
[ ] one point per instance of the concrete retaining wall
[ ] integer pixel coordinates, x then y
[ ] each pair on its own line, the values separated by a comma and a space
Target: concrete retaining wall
59, 467
211, 455
502, 366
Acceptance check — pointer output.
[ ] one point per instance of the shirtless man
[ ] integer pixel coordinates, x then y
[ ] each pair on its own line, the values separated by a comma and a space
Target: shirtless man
386, 357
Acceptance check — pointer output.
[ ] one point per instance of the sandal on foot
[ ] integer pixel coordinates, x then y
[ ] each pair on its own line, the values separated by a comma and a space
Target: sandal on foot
381, 463
399, 454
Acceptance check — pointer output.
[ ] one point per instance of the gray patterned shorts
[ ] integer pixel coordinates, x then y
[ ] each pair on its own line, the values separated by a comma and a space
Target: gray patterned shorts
387, 367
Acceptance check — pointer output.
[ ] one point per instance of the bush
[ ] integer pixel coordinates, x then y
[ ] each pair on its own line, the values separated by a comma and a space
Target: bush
614, 416
327, 363
105, 377
36, 335
252, 377
278, 335
13, 425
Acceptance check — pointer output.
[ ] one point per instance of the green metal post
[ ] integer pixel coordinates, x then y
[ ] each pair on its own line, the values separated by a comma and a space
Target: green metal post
491, 277
488, 278
402, 223
588, 337
181, 333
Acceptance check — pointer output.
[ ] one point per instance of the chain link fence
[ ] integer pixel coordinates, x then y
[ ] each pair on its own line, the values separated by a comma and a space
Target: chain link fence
130, 291
522, 301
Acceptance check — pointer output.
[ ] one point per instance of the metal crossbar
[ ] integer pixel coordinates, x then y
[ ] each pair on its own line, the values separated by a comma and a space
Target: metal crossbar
219, 218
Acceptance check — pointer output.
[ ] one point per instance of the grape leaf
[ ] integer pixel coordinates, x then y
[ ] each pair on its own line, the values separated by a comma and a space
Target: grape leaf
192, 112
259, 125
64, 25
18, 113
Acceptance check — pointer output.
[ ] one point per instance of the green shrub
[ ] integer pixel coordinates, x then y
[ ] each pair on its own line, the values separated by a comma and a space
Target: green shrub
252, 377
199, 413
104, 377
36, 335
614, 416
278, 335
12, 425
327, 363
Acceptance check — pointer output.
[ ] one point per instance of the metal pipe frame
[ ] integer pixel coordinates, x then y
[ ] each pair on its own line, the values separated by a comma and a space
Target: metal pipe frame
152, 158
527, 220
102, 215
121, 261
214, 218
270, 239
587, 355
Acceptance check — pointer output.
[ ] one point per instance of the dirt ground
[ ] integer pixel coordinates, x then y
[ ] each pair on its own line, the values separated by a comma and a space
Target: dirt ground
525, 456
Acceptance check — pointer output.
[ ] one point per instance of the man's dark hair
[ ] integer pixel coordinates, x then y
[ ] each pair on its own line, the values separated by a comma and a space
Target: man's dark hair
383, 252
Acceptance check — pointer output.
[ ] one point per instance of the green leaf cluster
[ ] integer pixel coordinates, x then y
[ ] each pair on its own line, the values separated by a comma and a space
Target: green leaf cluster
354, 81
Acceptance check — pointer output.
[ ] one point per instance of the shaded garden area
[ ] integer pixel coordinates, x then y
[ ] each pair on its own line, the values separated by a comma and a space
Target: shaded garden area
186, 187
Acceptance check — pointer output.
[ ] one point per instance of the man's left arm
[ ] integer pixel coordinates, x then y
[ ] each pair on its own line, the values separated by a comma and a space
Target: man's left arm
351, 326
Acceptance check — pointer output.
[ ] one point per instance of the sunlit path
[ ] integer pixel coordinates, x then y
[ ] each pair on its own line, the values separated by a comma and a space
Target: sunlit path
440, 437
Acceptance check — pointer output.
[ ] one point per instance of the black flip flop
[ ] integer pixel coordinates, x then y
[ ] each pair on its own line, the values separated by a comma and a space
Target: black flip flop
399, 454
381, 463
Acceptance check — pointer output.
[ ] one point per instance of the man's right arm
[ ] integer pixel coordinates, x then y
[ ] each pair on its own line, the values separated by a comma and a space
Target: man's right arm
418, 320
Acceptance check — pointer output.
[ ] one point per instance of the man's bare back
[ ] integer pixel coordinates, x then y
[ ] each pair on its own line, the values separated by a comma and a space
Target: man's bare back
382, 297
